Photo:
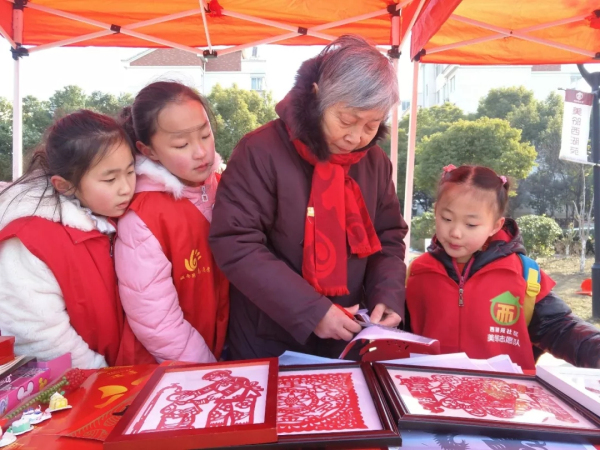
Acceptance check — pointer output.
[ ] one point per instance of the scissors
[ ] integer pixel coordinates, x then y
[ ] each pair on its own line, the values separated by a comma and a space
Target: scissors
361, 317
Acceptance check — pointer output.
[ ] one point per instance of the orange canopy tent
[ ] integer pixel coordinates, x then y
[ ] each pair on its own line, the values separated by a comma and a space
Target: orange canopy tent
190, 24
493, 32
490, 32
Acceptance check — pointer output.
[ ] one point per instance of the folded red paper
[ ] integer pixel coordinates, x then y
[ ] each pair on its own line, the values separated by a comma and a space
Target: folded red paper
7, 349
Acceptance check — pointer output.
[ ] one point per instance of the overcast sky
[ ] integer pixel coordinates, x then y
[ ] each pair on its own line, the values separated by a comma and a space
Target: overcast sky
102, 69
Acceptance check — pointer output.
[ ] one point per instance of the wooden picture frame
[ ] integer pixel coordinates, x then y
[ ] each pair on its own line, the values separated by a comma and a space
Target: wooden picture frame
484, 403
377, 430
178, 397
581, 385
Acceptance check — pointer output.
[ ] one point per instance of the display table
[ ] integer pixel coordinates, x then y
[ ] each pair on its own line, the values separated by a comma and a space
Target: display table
98, 405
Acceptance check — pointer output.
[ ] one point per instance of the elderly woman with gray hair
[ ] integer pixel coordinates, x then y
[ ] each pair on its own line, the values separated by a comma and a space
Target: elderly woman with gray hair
307, 224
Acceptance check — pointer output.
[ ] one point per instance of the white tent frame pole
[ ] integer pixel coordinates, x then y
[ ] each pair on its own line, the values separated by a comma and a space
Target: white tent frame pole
272, 23
394, 128
175, 16
70, 41
203, 11
271, 40
372, 15
17, 124
312, 31
518, 34
410, 155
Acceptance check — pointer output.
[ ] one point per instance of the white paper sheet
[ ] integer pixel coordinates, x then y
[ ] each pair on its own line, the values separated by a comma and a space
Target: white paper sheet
447, 361
289, 358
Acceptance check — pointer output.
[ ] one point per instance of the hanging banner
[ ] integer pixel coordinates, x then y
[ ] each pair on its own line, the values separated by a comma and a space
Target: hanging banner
576, 126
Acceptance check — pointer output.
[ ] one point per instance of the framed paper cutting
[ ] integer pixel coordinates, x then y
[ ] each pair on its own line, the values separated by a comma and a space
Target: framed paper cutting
582, 385
202, 406
336, 405
490, 403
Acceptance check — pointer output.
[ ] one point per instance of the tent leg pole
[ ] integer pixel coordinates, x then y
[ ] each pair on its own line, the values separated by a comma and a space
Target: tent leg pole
593, 80
17, 126
394, 136
394, 54
410, 155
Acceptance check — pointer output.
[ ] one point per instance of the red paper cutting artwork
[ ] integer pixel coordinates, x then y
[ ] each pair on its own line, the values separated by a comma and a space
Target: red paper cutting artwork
317, 402
234, 400
481, 397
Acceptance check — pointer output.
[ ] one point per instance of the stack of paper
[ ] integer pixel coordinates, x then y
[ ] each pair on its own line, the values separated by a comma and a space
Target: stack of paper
294, 358
500, 363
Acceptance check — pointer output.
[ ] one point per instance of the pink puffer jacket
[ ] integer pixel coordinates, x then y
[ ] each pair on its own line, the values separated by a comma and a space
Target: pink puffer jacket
146, 286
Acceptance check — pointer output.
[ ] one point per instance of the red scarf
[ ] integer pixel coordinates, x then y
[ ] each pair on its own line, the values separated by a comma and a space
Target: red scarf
336, 214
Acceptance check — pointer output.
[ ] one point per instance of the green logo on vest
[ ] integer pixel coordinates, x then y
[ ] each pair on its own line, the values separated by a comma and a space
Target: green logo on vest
505, 309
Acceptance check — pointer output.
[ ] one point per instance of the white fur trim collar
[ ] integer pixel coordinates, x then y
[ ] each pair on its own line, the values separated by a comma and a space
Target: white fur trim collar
160, 175
23, 200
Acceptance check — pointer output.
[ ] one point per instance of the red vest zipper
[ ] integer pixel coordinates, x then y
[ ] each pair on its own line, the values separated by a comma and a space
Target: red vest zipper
462, 279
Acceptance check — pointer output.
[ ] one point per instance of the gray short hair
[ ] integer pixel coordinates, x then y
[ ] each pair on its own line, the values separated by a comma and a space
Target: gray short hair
356, 73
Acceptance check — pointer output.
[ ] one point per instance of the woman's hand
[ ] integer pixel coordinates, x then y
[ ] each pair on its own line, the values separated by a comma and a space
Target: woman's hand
390, 317
336, 325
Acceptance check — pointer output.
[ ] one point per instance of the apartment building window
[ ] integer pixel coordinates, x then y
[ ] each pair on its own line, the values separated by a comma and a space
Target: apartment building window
437, 97
258, 83
255, 52
452, 84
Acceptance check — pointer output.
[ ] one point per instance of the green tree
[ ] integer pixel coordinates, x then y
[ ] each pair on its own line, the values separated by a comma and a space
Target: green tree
38, 115
36, 119
423, 227
488, 142
66, 100
238, 112
107, 103
556, 184
429, 121
539, 234
5, 140
500, 102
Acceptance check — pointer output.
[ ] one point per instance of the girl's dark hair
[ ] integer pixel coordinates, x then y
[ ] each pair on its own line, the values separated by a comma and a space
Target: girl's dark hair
479, 177
71, 146
139, 119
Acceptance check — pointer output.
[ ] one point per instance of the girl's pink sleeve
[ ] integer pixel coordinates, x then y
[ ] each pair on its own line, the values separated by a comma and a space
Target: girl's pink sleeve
149, 296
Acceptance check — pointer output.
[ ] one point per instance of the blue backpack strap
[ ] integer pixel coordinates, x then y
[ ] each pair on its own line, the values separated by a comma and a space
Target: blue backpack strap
533, 278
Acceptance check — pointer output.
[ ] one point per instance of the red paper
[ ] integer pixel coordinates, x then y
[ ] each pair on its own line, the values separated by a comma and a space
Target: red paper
7, 349
320, 402
104, 393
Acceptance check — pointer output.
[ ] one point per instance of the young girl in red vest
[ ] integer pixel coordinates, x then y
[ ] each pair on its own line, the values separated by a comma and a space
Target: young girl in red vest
468, 290
174, 296
58, 292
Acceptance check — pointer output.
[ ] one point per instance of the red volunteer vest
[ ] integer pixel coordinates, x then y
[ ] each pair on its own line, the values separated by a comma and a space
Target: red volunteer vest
490, 322
182, 231
82, 264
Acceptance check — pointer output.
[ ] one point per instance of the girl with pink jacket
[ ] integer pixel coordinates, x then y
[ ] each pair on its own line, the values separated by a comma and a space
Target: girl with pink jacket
174, 296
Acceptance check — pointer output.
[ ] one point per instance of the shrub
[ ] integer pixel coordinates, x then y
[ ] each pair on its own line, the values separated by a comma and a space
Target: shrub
423, 227
539, 234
